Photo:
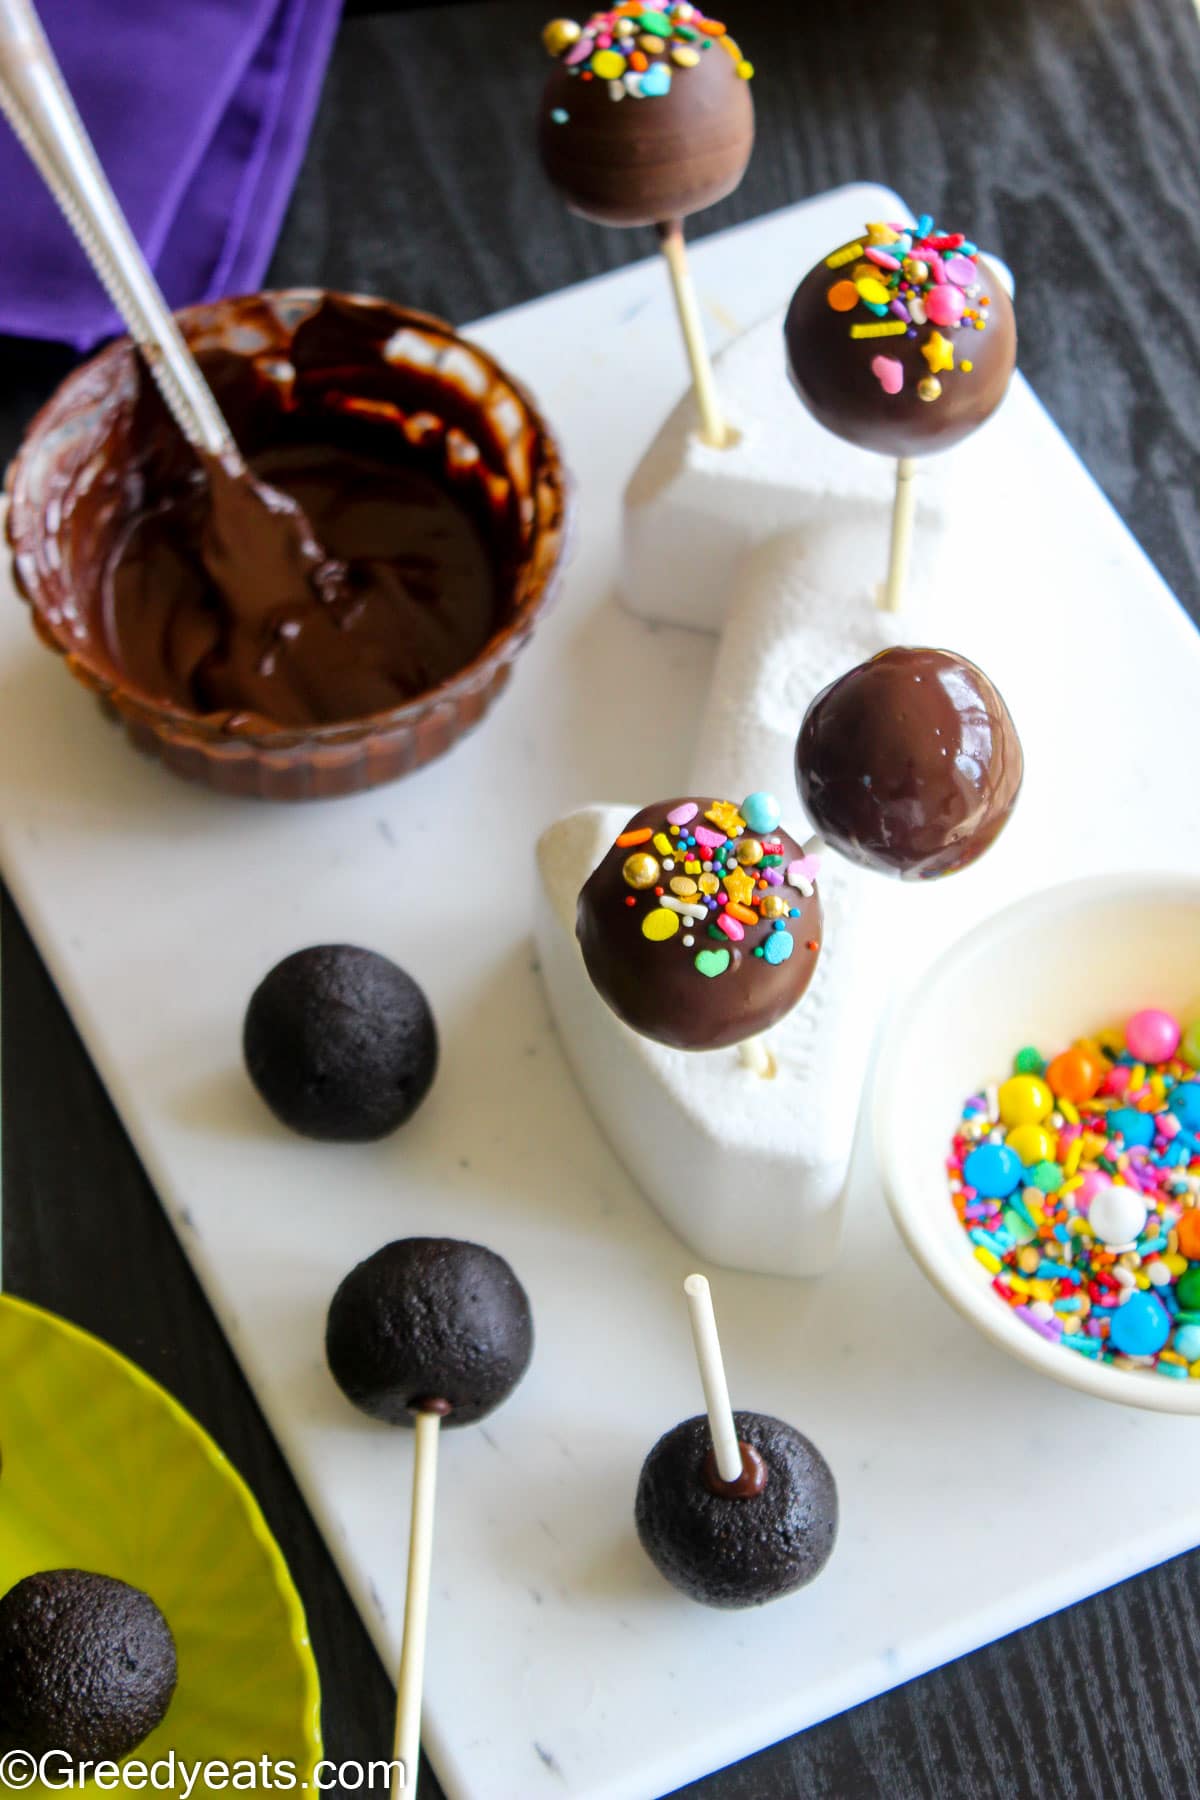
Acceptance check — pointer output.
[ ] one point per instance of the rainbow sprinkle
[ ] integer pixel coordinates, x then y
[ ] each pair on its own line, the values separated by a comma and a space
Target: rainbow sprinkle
638, 50
898, 280
1077, 1182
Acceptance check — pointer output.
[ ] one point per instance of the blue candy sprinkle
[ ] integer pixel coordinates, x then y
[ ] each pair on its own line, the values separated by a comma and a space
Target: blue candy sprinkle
993, 1170
1140, 1327
559, 116
778, 948
1137, 1128
656, 80
1185, 1104
761, 812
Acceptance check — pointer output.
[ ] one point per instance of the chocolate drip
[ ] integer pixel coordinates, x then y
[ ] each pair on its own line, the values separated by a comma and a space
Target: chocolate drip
749, 1484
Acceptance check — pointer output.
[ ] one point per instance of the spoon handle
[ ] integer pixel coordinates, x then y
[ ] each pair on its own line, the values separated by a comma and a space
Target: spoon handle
38, 105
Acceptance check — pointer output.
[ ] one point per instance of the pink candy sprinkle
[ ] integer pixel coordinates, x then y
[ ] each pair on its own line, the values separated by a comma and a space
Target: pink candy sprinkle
961, 271
888, 373
945, 305
731, 928
579, 52
1153, 1035
712, 840
683, 815
804, 868
881, 257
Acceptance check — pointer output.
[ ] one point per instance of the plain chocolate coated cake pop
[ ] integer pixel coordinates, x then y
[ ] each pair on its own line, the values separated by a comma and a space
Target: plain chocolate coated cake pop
742, 1545
87, 1666
910, 763
429, 1324
903, 341
702, 925
340, 1043
647, 116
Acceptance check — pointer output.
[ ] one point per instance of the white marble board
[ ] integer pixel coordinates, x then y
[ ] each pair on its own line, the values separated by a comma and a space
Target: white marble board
559, 1662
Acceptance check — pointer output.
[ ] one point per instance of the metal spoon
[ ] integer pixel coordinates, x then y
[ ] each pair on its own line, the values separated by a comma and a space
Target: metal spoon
38, 105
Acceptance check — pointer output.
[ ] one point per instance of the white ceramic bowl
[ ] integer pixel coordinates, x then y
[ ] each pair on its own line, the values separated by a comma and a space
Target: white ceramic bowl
1045, 971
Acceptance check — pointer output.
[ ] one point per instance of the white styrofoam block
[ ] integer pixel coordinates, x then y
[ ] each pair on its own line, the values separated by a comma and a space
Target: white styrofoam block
692, 512
748, 1172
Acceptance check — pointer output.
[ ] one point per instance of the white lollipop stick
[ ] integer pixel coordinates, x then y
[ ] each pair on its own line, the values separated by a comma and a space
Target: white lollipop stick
903, 508
713, 428
411, 1683
756, 1056
726, 1448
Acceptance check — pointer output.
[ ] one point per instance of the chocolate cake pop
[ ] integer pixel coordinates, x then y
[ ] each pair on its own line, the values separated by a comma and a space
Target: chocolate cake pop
902, 341
909, 764
647, 115
646, 119
701, 926
744, 1543
87, 1666
734, 1509
425, 1333
429, 1323
340, 1043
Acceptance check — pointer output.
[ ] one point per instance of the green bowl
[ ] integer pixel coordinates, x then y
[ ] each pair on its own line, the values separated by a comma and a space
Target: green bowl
100, 1469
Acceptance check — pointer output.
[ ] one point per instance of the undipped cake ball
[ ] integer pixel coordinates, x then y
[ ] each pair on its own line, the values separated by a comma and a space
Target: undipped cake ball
340, 1043
727, 1547
87, 1666
429, 1325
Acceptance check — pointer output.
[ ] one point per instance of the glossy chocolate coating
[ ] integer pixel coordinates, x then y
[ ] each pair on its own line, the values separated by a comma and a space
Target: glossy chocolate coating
909, 764
427, 1321
832, 372
648, 161
87, 1666
656, 987
737, 1550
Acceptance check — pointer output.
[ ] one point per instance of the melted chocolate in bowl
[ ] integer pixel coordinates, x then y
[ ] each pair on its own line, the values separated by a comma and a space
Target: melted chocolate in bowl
428, 518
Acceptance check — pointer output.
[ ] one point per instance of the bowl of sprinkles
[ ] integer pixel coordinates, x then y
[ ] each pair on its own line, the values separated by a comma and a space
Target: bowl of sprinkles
1037, 1128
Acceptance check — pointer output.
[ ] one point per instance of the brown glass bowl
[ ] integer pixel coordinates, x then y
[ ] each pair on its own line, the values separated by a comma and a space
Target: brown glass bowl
83, 433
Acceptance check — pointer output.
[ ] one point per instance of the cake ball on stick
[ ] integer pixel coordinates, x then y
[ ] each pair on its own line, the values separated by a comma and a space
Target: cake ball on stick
734, 1509
647, 118
903, 341
425, 1333
910, 763
702, 925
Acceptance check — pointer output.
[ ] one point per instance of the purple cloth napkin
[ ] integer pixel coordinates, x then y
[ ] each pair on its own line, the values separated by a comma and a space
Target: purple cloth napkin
200, 111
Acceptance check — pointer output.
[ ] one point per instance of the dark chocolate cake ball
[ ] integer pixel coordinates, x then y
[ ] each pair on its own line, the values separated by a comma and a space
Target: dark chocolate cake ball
742, 1549
87, 1666
429, 1324
340, 1043
902, 341
647, 116
702, 925
909, 764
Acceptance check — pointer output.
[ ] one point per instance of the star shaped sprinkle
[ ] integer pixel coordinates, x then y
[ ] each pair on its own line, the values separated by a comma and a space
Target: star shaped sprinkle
740, 886
938, 353
726, 817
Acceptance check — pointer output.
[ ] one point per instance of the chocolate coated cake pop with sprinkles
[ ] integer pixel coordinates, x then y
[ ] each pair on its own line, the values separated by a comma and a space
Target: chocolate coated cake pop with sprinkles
647, 115
903, 341
701, 926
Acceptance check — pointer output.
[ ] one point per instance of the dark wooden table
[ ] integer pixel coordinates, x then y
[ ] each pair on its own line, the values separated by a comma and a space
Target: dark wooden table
1066, 135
